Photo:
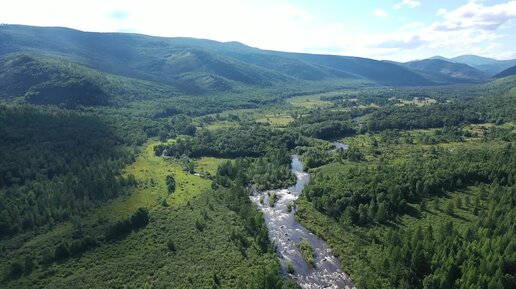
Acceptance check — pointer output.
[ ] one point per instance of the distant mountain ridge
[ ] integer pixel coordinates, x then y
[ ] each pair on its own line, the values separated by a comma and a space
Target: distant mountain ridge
487, 65
195, 65
508, 72
446, 72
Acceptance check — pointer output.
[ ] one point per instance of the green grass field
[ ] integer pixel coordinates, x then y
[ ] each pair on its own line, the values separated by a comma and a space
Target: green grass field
309, 101
208, 166
276, 120
150, 171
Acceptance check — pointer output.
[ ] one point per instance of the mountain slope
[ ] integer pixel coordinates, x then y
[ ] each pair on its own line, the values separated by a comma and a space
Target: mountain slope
384, 73
442, 71
473, 60
291, 66
508, 72
189, 64
138, 56
489, 66
497, 67
440, 58
41, 79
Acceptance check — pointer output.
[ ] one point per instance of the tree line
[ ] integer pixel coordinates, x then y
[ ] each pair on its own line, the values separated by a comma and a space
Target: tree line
241, 141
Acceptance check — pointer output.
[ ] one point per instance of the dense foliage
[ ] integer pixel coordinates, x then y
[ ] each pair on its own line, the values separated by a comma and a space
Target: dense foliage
137, 221
365, 195
432, 116
243, 141
67, 158
324, 125
54, 165
480, 256
268, 172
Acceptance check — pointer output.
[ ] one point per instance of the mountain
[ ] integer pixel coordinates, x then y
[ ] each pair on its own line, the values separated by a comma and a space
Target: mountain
487, 65
508, 72
291, 67
445, 72
440, 58
40, 79
496, 67
169, 61
378, 71
322, 67
198, 65
473, 60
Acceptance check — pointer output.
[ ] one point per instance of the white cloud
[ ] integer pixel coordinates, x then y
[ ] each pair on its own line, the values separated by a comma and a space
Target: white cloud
442, 12
412, 26
474, 15
408, 3
380, 13
504, 55
470, 28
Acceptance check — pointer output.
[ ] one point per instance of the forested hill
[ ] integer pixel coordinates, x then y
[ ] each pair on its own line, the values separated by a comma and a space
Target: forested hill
508, 72
193, 64
442, 71
487, 65
41, 79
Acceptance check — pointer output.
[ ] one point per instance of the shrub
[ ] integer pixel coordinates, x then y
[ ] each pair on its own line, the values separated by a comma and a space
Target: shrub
171, 183
62, 251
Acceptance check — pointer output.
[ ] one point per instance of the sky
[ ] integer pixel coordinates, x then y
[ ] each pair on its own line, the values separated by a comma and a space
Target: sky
398, 30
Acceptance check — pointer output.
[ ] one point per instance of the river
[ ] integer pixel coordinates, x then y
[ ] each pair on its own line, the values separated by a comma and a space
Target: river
286, 233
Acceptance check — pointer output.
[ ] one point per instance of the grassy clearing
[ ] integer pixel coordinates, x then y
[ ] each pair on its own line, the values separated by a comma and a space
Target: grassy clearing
151, 171
276, 120
208, 165
309, 102
274, 116
371, 105
415, 101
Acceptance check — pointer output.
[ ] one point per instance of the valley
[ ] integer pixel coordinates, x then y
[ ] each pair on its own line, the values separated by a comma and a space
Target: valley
133, 161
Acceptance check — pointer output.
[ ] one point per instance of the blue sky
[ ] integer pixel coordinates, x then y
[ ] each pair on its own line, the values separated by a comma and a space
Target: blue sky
391, 29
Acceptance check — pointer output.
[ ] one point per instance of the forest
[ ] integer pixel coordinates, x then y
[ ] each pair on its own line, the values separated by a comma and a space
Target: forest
244, 141
380, 192
56, 165
131, 181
